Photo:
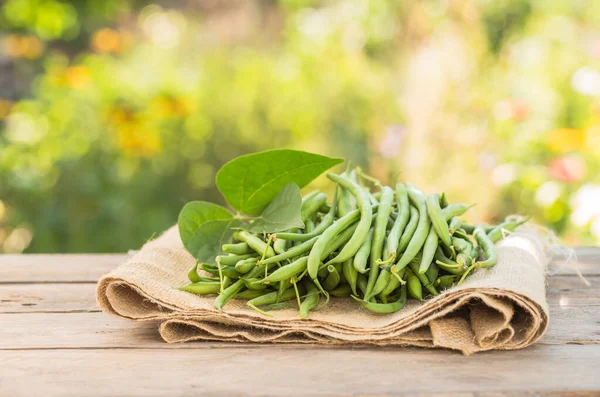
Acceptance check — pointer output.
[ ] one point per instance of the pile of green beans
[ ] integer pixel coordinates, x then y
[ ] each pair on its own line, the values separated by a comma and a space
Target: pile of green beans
379, 248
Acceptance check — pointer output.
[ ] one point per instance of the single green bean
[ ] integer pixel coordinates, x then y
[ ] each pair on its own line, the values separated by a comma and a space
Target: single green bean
237, 249
443, 201
254, 284
311, 206
475, 253
409, 231
433, 271
332, 280
431, 244
414, 286
245, 265
383, 213
414, 266
292, 252
343, 199
309, 225
455, 210
270, 298
231, 260
437, 219
497, 233
488, 248
383, 280
249, 294
392, 285
228, 293
366, 218
350, 274
445, 281
361, 282
341, 291
283, 286
280, 245
418, 239
193, 275
325, 223
254, 242
202, 288
362, 255
400, 223
288, 271
311, 300
386, 308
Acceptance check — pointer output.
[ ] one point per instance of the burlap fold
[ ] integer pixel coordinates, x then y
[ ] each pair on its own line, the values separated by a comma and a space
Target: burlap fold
500, 308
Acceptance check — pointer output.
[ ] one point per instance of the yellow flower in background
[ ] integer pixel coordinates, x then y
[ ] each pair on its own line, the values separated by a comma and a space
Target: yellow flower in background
137, 141
592, 139
565, 140
5, 106
110, 41
170, 107
77, 77
17, 46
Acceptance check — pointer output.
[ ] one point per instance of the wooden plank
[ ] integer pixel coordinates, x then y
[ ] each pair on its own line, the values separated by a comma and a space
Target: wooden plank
48, 298
277, 371
47, 268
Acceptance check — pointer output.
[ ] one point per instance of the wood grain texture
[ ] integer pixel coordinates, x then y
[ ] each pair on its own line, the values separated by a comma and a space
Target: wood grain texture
55, 342
277, 371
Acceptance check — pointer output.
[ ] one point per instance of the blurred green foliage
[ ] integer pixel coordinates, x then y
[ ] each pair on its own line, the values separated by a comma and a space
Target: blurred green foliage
124, 110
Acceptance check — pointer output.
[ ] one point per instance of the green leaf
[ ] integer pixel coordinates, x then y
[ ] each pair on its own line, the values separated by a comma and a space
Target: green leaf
282, 213
206, 242
195, 213
250, 182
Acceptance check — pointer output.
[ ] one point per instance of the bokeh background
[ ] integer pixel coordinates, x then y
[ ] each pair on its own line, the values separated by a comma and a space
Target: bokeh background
114, 113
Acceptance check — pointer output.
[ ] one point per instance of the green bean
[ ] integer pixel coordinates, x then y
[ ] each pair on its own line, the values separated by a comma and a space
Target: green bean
454, 224
362, 255
193, 275
431, 244
311, 300
228, 293
280, 245
309, 225
343, 199
361, 282
438, 221
409, 231
231, 260
461, 245
400, 223
433, 271
254, 242
332, 280
455, 210
259, 270
310, 196
366, 218
414, 267
254, 284
386, 308
237, 249
385, 208
341, 291
382, 281
283, 286
510, 226
311, 206
202, 288
245, 265
249, 294
471, 228
292, 252
325, 223
270, 298
288, 271
418, 239
443, 201
447, 264
314, 258
488, 248
392, 284
475, 253
350, 274
229, 271
414, 286
445, 281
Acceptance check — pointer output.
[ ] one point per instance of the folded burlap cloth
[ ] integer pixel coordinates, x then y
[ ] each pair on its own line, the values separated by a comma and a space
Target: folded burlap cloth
499, 308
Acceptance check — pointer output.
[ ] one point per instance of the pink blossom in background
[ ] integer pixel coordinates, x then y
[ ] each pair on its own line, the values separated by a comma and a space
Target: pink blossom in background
389, 147
567, 168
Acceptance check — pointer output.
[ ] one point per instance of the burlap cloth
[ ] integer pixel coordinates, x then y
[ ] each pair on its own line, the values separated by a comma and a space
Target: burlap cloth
500, 308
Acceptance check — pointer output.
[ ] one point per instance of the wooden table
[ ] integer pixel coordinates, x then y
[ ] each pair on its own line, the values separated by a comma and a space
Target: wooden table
54, 341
